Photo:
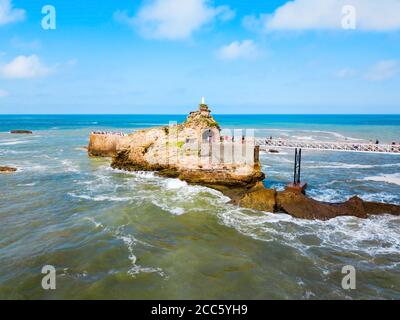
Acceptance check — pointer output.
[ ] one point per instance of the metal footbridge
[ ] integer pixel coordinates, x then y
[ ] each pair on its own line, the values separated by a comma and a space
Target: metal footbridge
266, 144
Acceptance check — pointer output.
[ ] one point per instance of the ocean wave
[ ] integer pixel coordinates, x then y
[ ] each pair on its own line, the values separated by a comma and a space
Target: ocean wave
28, 167
372, 236
338, 135
14, 142
381, 197
69, 166
387, 178
304, 138
99, 197
341, 165
27, 184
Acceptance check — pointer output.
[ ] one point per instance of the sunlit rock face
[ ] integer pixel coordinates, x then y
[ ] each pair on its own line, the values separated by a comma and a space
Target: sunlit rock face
192, 151
196, 152
103, 144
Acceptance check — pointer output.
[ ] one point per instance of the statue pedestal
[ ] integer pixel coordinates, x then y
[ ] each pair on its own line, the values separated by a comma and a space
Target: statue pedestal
297, 187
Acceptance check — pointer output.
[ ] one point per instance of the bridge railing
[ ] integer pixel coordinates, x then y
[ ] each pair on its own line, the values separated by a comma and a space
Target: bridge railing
334, 146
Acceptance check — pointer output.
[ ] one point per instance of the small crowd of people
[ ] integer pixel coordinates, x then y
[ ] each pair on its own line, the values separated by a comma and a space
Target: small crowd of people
232, 139
110, 133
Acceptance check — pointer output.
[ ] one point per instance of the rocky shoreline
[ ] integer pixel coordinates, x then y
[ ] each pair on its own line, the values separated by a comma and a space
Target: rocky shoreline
300, 206
183, 151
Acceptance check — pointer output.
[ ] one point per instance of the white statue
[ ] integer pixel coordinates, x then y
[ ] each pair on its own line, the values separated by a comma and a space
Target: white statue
203, 100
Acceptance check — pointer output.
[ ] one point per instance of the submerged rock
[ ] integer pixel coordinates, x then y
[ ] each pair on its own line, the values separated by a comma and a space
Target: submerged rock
7, 169
21, 132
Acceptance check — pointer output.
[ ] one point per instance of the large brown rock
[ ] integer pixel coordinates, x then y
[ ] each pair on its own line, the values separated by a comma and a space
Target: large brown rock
103, 145
7, 169
224, 178
300, 206
259, 198
191, 151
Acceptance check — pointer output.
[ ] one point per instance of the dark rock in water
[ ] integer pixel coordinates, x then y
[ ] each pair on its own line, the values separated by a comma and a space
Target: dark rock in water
273, 151
259, 198
7, 169
300, 206
21, 132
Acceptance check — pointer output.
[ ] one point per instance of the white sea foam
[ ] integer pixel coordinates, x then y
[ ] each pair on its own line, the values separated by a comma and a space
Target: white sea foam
27, 184
68, 166
175, 184
99, 197
13, 142
341, 165
169, 208
304, 138
130, 242
338, 135
381, 197
28, 167
97, 224
387, 178
375, 235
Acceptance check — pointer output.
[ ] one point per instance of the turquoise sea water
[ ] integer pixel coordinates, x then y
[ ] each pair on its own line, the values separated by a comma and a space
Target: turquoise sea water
112, 234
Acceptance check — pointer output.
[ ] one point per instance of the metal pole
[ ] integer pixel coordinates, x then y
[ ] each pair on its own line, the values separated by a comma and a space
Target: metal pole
295, 166
298, 174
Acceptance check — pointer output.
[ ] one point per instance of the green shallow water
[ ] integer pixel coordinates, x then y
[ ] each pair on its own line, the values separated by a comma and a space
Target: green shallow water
118, 235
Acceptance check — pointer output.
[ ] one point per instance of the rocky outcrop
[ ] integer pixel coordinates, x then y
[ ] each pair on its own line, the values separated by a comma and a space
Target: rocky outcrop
191, 151
103, 145
300, 206
259, 198
21, 132
7, 169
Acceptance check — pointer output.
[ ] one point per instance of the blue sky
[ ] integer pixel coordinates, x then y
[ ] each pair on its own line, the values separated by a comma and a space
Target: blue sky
161, 56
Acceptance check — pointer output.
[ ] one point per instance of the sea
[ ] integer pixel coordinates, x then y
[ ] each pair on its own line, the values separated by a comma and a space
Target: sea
112, 234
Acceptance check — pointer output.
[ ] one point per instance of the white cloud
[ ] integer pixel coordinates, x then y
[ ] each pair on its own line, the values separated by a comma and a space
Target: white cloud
238, 50
24, 67
174, 19
3, 93
383, 70
8, 14
371, 15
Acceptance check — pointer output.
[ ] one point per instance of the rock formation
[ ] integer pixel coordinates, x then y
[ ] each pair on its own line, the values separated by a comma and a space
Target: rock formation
7, 169
21, 132
195, 152
103, 144
300, 206
191, 151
